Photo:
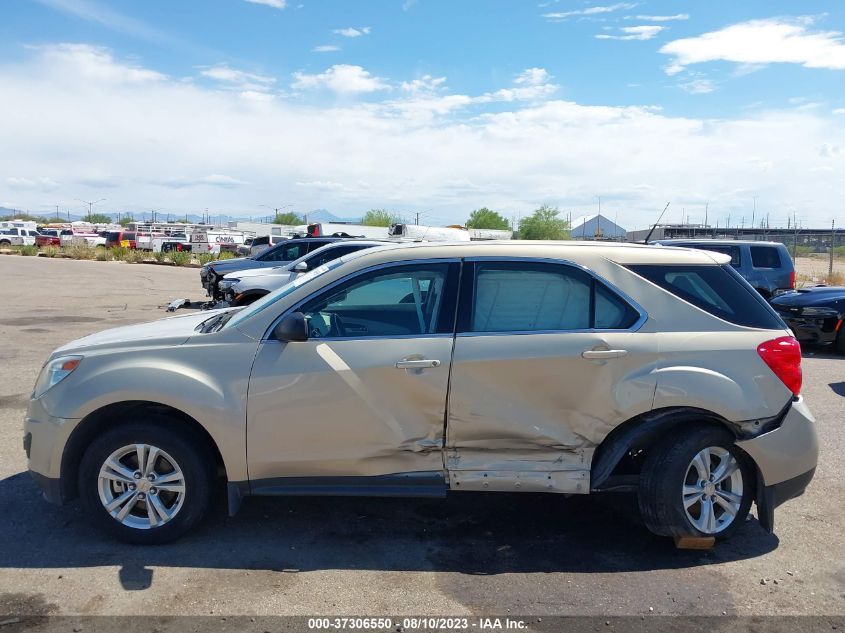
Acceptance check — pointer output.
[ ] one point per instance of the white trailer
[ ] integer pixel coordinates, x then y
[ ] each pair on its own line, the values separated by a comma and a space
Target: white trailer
417, 232
214, 240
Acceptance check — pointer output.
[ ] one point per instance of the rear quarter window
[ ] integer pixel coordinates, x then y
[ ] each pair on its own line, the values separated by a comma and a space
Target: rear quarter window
718, 290
765, 257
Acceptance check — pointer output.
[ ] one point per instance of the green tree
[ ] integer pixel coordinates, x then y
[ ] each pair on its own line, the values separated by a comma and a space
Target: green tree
484, 218
288, 218
26, 217
380, 217
98, 218
544, 224
126, 219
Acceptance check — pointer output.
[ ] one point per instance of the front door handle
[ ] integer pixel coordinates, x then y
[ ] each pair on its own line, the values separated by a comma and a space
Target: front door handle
417, 364
602, 354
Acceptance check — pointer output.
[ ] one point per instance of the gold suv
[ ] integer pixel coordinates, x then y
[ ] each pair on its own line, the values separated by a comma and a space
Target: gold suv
431, 368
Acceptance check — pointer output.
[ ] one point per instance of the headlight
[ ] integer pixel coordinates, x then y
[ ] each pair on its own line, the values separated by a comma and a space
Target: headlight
224, 285
54, 372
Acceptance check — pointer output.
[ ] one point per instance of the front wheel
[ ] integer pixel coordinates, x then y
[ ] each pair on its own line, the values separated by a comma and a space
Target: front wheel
840, 340
146, 484
696, 483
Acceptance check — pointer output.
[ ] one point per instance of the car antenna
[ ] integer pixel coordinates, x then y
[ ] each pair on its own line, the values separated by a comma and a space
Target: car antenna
648, 237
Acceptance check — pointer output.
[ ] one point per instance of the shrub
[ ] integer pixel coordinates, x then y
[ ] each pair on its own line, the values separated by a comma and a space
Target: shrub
51, 251
103, 255
120, 253
835, 279
226, 255
801, 251
205, 258
160, 257
80, 252
135, 256
180, 258
29, 251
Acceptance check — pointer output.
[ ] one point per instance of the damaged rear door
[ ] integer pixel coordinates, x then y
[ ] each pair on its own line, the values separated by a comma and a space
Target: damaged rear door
360, 406
547, 361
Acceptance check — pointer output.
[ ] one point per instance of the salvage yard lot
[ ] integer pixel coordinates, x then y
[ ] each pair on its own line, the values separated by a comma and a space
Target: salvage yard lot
516, 554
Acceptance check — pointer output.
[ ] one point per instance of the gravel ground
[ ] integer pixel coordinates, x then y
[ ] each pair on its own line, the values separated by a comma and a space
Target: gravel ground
470, 554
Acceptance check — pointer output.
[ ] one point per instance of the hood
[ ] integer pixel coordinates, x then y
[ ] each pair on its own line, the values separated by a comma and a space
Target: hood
171, 331
265, 282
226, 263
258, 272
818, 295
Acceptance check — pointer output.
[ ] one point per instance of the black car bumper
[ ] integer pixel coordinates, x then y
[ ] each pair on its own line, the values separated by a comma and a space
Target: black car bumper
770, 497
812, 329
51, 488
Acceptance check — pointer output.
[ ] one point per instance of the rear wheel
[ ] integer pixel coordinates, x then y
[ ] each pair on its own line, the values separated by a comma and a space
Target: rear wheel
696, 483
146, 484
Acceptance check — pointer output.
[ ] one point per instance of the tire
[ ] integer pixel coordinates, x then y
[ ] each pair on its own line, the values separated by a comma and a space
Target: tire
179, 453
670, 478
5, 243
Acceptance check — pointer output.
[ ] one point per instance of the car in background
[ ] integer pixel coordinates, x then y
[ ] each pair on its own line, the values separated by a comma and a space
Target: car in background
265, 242
815, 315
118, 239
430, 369
767, 266
16, 236
48, 237
246, 286
287, 251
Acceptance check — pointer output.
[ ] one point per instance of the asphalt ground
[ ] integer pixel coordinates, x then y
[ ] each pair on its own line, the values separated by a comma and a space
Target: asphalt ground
470, 554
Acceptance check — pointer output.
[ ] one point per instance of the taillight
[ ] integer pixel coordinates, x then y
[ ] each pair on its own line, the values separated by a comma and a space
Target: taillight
792, 280
783, 356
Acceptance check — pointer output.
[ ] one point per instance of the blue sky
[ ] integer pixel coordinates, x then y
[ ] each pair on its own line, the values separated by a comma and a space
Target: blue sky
432, 106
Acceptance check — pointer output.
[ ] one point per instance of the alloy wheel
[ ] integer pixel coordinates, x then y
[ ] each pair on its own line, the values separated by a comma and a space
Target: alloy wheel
713, 490
141, 486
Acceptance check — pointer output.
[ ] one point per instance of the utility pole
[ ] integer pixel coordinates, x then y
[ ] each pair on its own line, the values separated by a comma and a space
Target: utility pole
418, 218
754, 212
90, 206
832, 244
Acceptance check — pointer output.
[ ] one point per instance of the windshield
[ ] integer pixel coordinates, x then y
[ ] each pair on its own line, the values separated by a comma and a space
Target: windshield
268, 300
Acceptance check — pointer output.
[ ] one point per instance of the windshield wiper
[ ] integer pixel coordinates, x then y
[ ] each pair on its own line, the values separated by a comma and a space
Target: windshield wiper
215, 323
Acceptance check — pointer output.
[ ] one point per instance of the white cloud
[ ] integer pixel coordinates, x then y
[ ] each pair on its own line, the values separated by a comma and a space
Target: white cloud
644, 32
95, 64
240, 79
342, 79
180, 146
839, 111
325, 48
276, 4
775, 40
353, 32
698, 86
589, 11
424, 85
658, 18
40, 183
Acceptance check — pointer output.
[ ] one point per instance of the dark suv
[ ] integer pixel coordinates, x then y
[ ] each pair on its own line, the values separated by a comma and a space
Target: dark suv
765, 265
287, 251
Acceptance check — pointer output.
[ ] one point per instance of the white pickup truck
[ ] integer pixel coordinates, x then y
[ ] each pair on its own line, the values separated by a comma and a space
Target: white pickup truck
17, 237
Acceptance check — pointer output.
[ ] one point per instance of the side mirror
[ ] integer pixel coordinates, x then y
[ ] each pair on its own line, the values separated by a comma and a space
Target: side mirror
293, 328
301, 267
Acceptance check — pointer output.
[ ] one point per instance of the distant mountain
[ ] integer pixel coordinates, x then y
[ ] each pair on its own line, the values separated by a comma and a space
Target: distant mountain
317, 215
4, 211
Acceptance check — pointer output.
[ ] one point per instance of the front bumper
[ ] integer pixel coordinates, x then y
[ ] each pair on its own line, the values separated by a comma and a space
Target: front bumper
786, 459
812, 329
45, 437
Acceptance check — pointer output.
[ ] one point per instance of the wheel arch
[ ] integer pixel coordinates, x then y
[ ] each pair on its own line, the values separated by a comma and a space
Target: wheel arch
116, 414
639, 433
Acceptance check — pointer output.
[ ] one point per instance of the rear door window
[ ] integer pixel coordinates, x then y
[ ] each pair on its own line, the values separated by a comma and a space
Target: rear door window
719, 290
538, 296
765, 257
286, 253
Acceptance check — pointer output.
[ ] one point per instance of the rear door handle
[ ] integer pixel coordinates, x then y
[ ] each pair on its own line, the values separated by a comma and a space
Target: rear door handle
602, 354
417, 364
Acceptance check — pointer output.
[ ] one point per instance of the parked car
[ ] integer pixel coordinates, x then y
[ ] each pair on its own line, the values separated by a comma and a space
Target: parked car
287, 251
15, 236
815, 315
244, 287
767, 266
263, 242
423, 369
48, 237
124, 239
